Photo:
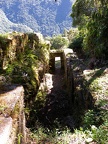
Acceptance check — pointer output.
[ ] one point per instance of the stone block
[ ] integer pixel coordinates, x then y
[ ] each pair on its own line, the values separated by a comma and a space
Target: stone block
5, 129
12, 118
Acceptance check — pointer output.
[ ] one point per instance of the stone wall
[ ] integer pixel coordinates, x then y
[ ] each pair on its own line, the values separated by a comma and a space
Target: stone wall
66, 55
12, 49
12, 117
53, 54
77, 89
78, 93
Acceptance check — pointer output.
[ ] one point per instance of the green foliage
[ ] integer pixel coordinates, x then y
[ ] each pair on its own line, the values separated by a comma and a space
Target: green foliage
3, 41
54, 136
19, 138
40, 50
91, 17
7, 26
21, 71
81, 10
76, 43
45, 16
71, 34
95, 123
40, 99
24, 70
3, 46
100, 135
58, 42
94, 127
89, 118
96, 39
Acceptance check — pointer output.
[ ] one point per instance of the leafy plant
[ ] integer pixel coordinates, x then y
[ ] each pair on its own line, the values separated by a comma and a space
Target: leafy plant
89, 118
58, 42
91, 18
76, 43
19, 138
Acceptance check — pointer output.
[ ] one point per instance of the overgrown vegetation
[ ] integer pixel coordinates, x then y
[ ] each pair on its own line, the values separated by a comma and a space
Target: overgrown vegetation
94, 121
93, 126
76, 43
28, 66
91, 38
59, 42
44, 16
91, 19
7, 26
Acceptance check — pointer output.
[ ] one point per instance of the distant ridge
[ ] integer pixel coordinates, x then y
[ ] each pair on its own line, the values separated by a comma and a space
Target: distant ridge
7, 26
45, 16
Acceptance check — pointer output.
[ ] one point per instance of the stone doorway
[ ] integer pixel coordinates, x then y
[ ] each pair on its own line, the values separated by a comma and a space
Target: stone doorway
56, 60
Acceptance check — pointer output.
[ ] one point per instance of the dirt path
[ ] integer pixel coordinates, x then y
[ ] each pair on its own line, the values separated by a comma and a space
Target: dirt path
56, 105
54, 81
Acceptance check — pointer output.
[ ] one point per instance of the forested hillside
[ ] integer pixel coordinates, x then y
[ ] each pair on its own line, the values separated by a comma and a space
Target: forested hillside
47, 16
8, 26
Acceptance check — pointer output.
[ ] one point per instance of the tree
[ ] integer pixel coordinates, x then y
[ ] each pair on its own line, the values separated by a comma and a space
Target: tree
81, 10
91, 17
71, 33
58, 42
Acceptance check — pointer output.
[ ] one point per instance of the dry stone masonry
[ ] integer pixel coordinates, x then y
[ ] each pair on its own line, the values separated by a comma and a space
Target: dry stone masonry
74, 78
12, 117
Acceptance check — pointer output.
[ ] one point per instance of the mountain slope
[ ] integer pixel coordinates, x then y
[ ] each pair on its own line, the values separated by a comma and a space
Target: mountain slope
8, 26
47, 16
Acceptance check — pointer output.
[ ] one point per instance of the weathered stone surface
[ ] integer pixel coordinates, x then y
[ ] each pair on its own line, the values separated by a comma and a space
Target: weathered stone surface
53, 54
10, 99
12, 96
11, 47
65, 56
12, 116
74, 78
2, 81
78, 91
5, 129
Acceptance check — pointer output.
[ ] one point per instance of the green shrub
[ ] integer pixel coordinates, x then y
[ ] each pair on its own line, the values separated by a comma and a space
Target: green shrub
89, 119
76, 43
58, 42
